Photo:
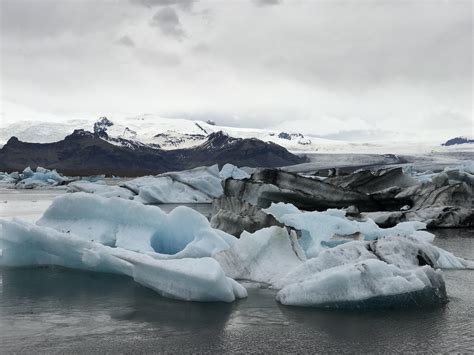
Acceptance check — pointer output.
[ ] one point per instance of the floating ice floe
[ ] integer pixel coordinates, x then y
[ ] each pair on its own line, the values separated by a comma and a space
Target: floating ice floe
389, 196
367, 284
319, 227
196, 185
131, 225
265, 256
231, 171
199, 279
199, 185
29, 179
100, 188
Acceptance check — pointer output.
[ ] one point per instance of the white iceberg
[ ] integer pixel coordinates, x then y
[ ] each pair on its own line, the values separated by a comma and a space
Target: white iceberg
25, 244
179, 255
29, 179
199, 185
199, 279
116, 222
318, 227
100, 188
366, 284
9, 180
265, 256
79, 241
403, 252
231, 171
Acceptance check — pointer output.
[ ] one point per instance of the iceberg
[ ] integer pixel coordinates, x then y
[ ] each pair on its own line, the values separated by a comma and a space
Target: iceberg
116, 222
9, 180
179, 254
100, 188
403, 252
29, 179
202, 279
199, 185
233, 172
265, 256
367, 284
319, 227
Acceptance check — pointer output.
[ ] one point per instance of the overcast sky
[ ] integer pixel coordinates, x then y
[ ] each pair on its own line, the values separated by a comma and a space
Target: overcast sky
319, 67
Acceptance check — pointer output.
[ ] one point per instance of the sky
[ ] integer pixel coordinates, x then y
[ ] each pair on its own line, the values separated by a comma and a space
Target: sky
328, 68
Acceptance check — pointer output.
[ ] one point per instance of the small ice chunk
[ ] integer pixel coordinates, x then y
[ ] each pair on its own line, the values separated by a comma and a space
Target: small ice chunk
231, 171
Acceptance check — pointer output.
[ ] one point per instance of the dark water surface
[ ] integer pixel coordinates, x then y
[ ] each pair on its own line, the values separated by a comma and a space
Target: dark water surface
54, 310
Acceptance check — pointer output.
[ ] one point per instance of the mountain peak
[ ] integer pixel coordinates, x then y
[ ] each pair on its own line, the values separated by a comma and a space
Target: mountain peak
219, 138
457, 140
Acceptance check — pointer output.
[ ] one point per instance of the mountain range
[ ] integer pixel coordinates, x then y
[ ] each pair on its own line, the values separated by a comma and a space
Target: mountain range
91, 153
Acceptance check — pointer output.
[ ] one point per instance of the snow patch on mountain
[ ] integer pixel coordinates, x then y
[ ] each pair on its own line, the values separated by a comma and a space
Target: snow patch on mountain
174, 133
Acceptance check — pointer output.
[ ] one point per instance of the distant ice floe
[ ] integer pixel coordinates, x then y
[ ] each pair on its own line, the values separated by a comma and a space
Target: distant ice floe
196, 185
231, 171
100, 188
29, 179
199, 185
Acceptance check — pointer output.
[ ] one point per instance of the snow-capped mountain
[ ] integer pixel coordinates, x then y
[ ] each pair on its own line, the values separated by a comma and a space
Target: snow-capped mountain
173, 133
87, 153
151, 130
458, 140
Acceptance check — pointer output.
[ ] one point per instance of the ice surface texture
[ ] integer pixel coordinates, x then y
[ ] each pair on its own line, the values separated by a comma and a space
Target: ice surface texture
128, 224
318, 227
115, 235
199, 185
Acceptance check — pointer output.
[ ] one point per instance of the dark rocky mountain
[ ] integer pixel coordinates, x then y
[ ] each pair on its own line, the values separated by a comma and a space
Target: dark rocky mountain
86, 153
457, 140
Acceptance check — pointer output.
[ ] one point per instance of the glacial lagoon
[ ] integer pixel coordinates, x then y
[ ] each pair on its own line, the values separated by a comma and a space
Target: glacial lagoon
53, 310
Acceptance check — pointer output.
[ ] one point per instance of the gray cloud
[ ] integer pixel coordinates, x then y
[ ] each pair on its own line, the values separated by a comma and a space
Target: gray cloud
126, 41
33, 19
267, 2
185, 4
157, 58
315, 66
167, 20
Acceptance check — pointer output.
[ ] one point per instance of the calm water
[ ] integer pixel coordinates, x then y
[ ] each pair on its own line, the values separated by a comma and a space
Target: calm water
54, 310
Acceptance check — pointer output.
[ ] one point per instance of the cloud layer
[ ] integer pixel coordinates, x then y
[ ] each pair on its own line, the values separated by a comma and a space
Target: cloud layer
322, 67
